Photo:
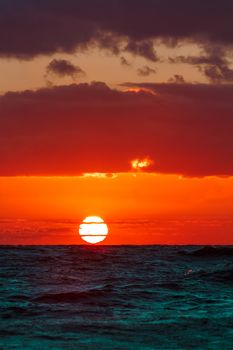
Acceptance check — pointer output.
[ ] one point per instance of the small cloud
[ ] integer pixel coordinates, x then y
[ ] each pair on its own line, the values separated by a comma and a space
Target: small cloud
144, 48
177, 78
140, 164
146, 71
125, 62
62, 68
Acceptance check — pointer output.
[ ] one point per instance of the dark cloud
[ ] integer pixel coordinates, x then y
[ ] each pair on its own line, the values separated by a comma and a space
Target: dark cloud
144, 48
107, 41
184, 128
218, 74
146, 71
64, 68
196, 60
32, 27
125, 62
177, 78
216, 94
213, 64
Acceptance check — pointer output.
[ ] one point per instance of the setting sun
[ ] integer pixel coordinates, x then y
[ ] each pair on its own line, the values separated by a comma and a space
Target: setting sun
93, 229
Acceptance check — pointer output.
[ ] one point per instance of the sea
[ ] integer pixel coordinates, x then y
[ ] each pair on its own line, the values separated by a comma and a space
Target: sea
116, 297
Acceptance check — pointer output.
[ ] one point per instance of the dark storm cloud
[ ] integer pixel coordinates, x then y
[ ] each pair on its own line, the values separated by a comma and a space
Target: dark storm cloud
146, 71
32, 27
63, 68
184, 128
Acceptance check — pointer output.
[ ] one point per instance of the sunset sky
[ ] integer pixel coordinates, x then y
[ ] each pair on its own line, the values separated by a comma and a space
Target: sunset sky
116, 108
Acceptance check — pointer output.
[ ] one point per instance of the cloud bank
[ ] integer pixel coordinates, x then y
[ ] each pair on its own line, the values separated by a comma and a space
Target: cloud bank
31, 27
69, 130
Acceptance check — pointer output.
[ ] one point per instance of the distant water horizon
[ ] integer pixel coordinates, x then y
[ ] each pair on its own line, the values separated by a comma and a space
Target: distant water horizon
116, 297
143, 231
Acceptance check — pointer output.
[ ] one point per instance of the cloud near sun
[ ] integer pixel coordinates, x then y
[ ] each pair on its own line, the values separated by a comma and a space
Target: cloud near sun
70, 130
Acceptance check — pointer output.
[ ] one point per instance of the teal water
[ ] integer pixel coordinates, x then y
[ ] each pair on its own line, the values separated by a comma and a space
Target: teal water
127, 297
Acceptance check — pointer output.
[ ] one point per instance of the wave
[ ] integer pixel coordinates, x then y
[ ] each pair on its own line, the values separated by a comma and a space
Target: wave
210, 251
219, 276
72, 297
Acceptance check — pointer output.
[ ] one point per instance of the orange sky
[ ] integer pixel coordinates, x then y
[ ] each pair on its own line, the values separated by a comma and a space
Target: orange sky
140, 208
88, 87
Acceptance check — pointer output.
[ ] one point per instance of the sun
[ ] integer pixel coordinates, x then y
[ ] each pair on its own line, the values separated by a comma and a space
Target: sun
93, 229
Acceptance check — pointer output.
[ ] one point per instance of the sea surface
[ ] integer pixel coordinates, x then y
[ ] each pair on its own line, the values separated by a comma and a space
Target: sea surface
116, 297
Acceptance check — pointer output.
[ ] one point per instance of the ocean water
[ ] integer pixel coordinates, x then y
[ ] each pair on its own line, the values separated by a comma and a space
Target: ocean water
116, 297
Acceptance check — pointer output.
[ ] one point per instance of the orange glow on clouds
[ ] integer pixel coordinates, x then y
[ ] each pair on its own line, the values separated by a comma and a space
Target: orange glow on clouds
140, 164
140, 89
